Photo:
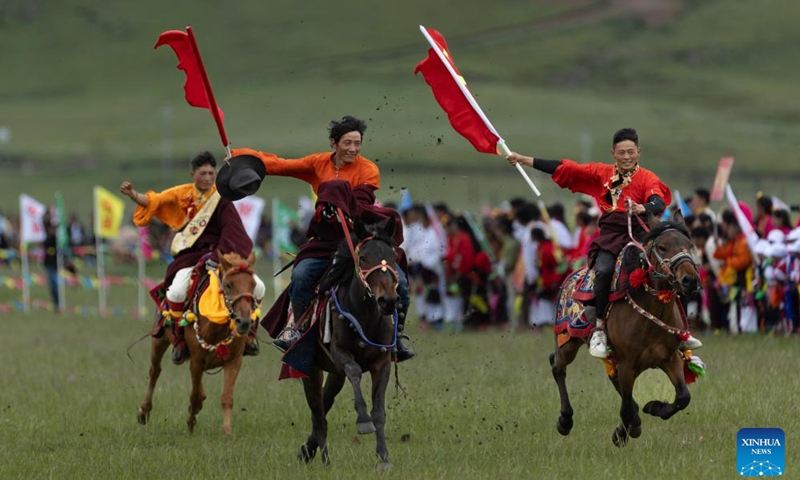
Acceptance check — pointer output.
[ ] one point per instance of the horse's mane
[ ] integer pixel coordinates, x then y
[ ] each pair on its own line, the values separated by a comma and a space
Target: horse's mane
237, 263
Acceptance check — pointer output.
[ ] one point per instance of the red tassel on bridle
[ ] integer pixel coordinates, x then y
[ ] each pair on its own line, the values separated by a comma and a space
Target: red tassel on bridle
637, 278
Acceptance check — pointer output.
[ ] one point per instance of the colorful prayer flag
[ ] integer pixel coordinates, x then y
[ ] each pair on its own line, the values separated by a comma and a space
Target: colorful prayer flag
721, 178
62, 239
109, 210
250, 210
450, 90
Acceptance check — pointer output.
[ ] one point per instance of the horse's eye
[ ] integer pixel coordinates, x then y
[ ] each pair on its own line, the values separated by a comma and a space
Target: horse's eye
226, 286
662, 248
362, 259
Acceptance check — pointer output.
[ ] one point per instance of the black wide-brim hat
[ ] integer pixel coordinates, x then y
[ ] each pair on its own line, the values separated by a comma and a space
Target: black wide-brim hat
241, 177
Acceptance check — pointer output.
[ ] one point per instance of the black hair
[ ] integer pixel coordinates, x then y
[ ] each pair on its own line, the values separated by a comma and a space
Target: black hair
528, 212
556, 211
729, 217
704, 194
700, 232
517, 202
783, 217
348, 124
537, 234
205, 158
625, 134
766, 203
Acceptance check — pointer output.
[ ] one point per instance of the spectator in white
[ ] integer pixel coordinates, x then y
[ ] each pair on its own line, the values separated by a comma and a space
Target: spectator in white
75, 231
562, 236
699, 204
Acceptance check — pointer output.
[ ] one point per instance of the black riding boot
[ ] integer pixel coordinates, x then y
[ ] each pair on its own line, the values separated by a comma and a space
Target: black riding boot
180, 352
290, 334
404, 352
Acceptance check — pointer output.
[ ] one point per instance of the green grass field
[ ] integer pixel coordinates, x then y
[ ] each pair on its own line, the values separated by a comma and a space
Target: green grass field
479, 405
88, 101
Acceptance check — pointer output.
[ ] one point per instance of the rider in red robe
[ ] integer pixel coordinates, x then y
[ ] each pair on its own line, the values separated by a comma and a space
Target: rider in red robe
611, 186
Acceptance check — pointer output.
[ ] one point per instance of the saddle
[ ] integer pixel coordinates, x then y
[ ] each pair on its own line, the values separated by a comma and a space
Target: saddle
197, 286
577, 291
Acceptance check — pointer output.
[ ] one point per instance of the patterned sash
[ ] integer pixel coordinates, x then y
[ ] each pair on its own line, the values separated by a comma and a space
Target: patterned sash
189, 234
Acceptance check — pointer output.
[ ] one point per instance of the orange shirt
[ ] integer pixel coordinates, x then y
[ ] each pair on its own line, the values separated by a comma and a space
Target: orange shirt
317, 168
591, 179
174, 206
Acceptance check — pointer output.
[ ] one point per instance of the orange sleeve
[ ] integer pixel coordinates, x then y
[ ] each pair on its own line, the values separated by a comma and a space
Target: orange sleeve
723, 251
302, 168
165, 206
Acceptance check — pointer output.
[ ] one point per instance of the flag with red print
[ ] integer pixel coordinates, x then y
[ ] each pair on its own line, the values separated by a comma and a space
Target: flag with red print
450, 90
250, 210
31, 220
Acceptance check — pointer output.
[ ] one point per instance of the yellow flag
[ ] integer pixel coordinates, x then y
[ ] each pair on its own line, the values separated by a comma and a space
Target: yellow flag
109, 210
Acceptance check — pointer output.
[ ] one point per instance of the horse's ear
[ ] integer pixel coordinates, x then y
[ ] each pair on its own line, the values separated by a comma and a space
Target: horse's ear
360, 228
389, 227
251, 260
677, 217
652, 220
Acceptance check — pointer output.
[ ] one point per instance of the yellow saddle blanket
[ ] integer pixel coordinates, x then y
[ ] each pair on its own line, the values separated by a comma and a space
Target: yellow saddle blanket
212, 302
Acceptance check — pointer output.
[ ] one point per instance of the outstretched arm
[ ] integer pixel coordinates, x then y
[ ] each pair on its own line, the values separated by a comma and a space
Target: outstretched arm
126, 188
546, 166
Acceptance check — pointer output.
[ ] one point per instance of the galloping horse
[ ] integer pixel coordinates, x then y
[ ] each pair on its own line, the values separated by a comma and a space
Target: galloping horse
211, 344
644, 331
363, 332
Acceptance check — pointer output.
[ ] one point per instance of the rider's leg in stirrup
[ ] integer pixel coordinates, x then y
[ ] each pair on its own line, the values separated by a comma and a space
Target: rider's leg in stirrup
176, 298
251, 347
305, 276
404, 352
604, 271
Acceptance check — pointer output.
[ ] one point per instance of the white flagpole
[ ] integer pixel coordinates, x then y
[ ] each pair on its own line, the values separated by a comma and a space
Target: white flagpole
501, 143
276, 263
26, 275
100, 267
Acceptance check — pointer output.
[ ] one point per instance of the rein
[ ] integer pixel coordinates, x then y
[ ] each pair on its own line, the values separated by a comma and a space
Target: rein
682, 334
360, 330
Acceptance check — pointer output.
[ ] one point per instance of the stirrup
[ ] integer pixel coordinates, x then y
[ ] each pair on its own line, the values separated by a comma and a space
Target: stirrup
251, 347
598, 343
402, 351
286, 339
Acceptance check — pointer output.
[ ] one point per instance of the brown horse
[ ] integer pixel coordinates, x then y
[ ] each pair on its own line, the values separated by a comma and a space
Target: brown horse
212, 345
363, 332
644, 329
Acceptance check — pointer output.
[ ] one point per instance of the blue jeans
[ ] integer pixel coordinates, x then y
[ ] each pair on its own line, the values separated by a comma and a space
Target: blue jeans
309, 271
52, 283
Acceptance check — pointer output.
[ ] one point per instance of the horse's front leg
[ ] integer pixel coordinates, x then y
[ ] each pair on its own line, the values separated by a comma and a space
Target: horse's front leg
559, 360
352, 370
198, 395
380, 380
157, 349
674, 370
232, 369
312, 386
631, 425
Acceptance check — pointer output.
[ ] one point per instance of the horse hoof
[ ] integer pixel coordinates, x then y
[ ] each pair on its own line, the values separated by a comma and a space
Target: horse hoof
305, 454
652, 407
384, 466
562, 428
142, 416
635, 431
365, 428
619, 440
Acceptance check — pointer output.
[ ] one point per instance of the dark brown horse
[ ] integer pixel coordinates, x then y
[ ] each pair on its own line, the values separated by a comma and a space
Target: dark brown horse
363, 332
212, 345
644, 328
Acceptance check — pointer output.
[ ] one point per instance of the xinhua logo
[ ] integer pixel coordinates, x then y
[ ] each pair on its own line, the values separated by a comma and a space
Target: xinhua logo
761, 452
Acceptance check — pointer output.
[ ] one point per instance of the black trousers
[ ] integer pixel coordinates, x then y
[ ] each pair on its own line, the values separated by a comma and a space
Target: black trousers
603, 267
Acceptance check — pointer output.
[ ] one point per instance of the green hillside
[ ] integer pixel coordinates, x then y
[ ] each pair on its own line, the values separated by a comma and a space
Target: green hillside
87, 100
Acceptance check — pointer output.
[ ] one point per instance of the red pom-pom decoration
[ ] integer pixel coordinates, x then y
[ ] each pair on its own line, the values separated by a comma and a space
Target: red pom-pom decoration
684, 336
637, 278
223, 350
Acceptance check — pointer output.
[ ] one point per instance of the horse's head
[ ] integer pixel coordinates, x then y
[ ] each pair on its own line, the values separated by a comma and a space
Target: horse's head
238, 284
669, 249
376, 257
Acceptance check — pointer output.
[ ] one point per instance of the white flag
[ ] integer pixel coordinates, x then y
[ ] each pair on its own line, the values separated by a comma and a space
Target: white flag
250, 210
31, 221
744, 224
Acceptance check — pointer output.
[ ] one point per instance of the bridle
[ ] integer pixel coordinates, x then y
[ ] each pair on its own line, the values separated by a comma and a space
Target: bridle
363, 273
229, 300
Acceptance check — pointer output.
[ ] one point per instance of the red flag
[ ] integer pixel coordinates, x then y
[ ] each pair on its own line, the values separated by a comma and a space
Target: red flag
187, 61
465, 115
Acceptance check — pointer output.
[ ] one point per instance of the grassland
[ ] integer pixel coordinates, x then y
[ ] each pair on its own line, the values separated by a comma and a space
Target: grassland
479, 405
